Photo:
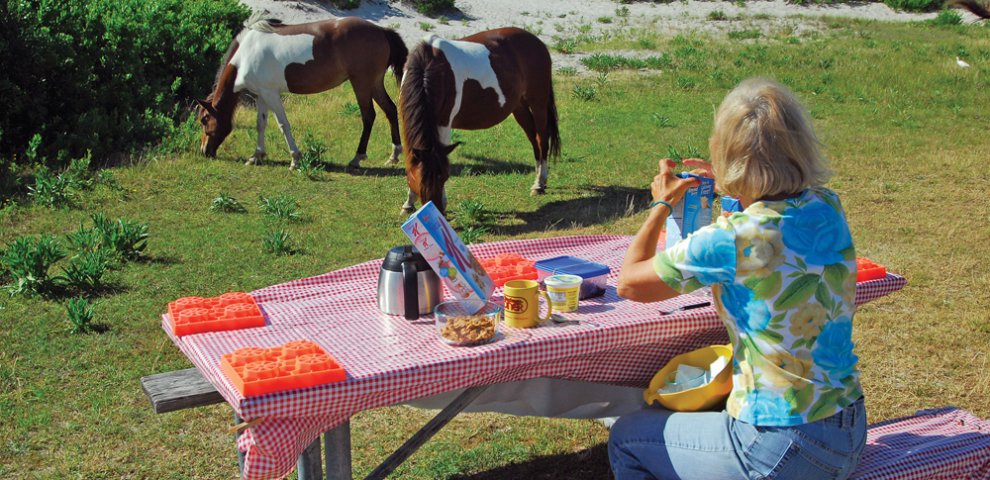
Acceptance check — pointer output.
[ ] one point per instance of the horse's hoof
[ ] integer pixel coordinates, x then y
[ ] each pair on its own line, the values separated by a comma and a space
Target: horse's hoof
253, 161
355, 162
538, 191
391, 162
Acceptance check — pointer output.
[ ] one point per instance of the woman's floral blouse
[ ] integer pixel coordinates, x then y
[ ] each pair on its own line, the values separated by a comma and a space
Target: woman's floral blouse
783, 276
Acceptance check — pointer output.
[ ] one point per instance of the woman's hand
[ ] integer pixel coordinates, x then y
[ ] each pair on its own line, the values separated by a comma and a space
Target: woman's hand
701, 167
669, 187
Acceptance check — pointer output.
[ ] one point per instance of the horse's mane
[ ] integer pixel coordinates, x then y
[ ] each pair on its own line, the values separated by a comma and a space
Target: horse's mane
419, 117
259, 21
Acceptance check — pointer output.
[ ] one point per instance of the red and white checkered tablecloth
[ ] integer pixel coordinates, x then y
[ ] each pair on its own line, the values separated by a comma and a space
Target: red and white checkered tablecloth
390, 359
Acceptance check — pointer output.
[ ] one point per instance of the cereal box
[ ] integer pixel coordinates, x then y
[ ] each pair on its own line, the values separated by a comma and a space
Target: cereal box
446, 253
694, 212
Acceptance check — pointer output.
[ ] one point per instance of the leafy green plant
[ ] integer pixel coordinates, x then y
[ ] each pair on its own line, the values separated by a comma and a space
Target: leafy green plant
947, 17
28, 260
50, 189
80, 315
605, 19
350, 109
310, 163
226, 204
85, 271
430, 7
673, 154
473, 233
346, 4
914, 5
686, 83
646, 43
622, 12
443, 20
425, 26
127, 238
567, 71
85, 239
661, 120
78, 173
474, 212
747, 34
282, 207
585, 93
276, 241
717, 15
565, 45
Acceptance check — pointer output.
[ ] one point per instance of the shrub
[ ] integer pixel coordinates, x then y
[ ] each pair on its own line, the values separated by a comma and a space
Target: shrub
346, 4
70, 90
474, 212
50, 189
28, 260
914, 5
430, 7
125, 237
281, 207
947, 17
473, 233
80, 314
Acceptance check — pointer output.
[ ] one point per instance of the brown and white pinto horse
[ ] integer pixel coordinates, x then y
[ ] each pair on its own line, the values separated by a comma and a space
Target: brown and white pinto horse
472, 84
268, 58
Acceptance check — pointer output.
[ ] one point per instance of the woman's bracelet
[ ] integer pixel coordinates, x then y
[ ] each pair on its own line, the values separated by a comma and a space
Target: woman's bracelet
670, 207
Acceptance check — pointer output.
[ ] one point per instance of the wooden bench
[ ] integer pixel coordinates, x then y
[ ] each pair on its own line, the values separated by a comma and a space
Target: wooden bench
181, 389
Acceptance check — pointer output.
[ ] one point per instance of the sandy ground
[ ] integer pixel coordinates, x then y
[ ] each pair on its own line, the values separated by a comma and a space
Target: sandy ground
551, 19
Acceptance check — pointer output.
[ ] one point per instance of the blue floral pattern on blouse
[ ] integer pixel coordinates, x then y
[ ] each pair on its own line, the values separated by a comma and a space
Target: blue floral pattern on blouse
783, 278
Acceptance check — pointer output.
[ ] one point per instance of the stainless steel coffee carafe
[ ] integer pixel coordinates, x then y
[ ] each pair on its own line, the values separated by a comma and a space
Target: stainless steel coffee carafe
406, 284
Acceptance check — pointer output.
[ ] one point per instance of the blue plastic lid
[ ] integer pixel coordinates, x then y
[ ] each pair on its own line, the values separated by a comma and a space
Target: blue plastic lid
572, 266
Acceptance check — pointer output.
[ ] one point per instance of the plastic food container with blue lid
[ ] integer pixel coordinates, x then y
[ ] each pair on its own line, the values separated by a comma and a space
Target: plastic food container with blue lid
594, 274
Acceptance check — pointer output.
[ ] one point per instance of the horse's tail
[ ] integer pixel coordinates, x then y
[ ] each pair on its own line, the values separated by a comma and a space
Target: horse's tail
553, 130
397, 54
975, 7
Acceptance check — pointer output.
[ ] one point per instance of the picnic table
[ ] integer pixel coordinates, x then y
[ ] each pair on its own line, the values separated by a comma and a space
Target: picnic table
390, 360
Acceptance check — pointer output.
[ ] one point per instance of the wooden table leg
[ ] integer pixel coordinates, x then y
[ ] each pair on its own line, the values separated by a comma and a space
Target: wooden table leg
425, 433
338, 451
309, 466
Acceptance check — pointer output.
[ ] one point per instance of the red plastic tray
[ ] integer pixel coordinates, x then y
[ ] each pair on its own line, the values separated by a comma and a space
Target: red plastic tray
229, 311
867, 270
300, 364
509, 266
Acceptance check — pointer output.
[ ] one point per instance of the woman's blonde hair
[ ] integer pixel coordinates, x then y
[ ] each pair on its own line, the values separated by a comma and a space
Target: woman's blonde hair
763, 144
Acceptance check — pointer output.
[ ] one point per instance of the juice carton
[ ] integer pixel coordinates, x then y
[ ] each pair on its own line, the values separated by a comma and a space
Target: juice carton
694, 212
447, 255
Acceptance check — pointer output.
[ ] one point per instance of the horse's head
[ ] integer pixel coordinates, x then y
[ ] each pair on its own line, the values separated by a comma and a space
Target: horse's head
216, 127
427, 171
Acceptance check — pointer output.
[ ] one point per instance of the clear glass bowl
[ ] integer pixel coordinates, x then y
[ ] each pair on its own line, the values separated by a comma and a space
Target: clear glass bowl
467, 322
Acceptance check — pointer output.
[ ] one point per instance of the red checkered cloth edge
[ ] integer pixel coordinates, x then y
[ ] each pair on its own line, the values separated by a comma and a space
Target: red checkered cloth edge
941, 444
390, 360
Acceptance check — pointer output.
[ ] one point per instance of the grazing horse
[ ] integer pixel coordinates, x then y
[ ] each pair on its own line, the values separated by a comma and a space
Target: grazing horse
269, 57
471, 84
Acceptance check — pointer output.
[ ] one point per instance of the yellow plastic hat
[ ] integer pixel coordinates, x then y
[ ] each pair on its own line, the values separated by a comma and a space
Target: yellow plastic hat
699, 398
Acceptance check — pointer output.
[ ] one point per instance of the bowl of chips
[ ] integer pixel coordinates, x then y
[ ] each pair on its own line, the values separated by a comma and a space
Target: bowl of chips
467, 322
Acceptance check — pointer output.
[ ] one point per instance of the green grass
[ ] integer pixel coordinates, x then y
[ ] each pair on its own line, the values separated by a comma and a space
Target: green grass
904, 127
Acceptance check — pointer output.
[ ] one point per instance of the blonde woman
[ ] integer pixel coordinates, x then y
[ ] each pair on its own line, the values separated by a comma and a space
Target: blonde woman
783, 277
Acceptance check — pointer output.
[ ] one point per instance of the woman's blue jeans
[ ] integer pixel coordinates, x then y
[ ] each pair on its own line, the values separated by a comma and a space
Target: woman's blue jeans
660, 444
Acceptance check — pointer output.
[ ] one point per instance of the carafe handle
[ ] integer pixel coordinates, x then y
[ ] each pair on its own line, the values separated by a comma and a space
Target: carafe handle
410, 289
